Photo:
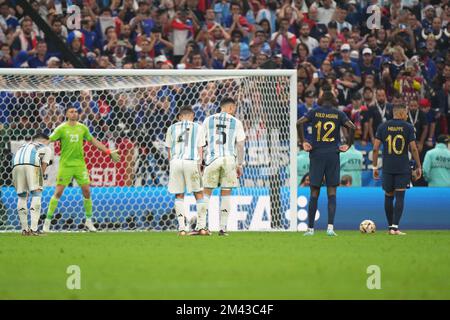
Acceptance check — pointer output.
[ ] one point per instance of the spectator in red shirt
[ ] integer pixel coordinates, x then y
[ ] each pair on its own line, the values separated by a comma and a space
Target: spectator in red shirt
182, 31
236, 21
284, 40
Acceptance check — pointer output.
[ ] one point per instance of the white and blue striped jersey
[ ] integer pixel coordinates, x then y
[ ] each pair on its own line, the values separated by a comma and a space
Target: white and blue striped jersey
222, 131
33, 153
184, 138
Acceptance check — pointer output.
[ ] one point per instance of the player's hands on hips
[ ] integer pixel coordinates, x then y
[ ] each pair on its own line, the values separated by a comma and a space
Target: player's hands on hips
420, 147
418, 174
343, 148
114, 155
376, 174
239, 171
307, 146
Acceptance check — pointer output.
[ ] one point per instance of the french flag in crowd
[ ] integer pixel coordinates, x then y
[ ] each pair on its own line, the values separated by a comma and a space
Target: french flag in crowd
179, 25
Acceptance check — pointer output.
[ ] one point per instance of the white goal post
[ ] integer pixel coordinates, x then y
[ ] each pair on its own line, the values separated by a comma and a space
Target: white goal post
129, 109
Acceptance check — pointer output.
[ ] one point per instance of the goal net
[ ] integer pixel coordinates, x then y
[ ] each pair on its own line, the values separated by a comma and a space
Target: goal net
130, 110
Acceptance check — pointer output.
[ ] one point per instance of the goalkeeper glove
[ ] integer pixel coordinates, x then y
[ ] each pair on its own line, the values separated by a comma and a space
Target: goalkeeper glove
114, 155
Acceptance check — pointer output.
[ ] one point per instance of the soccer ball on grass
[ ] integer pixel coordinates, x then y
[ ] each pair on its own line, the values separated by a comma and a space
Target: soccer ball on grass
367, 226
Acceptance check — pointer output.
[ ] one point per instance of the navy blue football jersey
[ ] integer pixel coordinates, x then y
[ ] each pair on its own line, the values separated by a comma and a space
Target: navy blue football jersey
326, 127
395, 135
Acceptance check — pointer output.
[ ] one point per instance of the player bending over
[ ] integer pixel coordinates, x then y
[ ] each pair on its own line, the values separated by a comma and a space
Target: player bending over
185, 141
395, 135
225, 138
29, 165
324, 154
71, 135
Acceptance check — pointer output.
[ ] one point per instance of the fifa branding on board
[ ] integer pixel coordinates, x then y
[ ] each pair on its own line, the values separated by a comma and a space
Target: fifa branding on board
244, 212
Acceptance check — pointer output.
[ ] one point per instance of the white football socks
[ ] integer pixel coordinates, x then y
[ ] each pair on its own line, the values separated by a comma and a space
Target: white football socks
179, 211
35, 212
225, 206
23, 212
202, 211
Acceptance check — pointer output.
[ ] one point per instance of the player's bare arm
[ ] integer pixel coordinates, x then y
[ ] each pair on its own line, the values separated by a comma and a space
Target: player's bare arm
113, 154
415, 154
350, 136
200, 159
423, 138
100, 146
376, 151
300, 133
240, 157
371, 133
366, 130
44, 167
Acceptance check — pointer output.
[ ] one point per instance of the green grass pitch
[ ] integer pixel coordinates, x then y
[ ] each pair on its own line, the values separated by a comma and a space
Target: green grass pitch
245, 265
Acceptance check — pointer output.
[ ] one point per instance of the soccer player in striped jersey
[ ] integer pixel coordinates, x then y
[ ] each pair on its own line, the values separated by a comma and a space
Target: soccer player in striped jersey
29, 165
185, 141
225, 139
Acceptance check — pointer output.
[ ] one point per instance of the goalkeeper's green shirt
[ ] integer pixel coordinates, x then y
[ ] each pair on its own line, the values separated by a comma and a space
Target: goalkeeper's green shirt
71, 139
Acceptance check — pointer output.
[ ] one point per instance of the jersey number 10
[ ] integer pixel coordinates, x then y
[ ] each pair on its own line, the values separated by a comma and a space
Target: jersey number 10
392, 144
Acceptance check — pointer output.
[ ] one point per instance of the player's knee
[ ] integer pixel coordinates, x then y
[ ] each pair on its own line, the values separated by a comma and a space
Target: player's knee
399, 194
58, 193
198, 195
331, 193
22, 195
314, 196
87, 194
36, 193
389, 194
315, 192
225, 192
179, 195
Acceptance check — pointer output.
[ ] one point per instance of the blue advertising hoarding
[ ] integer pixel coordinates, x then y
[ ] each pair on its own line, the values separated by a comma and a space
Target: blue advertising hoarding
152, 208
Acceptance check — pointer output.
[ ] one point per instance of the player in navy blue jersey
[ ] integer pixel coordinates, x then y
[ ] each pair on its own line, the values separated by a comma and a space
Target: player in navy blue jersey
396, 136
324, 149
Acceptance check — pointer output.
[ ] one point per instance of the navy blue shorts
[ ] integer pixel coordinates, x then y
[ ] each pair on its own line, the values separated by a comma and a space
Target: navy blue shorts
392, 181
326, 165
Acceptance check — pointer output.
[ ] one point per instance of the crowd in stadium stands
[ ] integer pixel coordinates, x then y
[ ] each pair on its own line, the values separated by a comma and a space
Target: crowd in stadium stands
370, 64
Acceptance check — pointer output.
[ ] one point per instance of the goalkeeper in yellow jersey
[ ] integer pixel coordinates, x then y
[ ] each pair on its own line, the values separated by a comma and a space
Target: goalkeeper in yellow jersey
71, 135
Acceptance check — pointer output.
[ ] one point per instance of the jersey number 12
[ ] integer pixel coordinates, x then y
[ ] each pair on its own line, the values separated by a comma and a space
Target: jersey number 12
328, 127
